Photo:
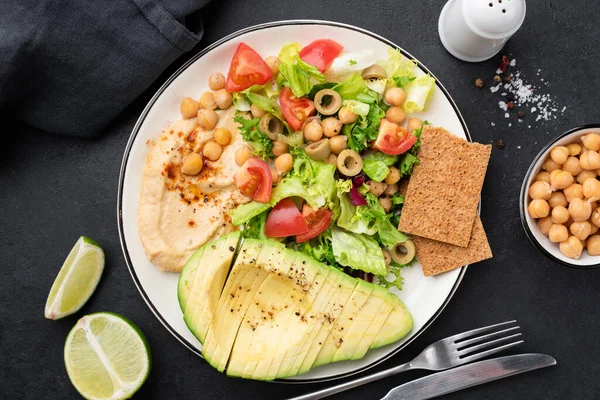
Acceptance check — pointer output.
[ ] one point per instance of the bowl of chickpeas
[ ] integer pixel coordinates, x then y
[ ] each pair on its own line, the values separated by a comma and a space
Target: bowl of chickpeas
560, 198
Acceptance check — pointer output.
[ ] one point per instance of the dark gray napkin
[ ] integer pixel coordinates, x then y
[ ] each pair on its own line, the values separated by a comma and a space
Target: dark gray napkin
72, 66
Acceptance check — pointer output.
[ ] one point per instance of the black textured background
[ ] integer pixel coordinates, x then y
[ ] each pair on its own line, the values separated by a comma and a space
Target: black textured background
54, 189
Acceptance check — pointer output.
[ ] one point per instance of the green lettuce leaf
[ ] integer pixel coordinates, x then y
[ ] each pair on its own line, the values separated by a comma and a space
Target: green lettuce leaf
398, 199
255, 227
407, 163
396, 64
259, 142
389, 235
402, 81
298, 75
265, 103
417, 93
240, 102
357, 251
361, 219
365, 129
319, 248
351, 87
376, 165
356, 107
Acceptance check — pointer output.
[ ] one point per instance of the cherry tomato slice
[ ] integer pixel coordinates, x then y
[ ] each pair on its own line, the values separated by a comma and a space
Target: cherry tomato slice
285, 220
254, 180
317, 221
295, 110
247, 68
321, 53
393, 139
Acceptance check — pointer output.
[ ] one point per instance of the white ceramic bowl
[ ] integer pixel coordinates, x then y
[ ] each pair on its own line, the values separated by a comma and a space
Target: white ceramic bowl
530, 225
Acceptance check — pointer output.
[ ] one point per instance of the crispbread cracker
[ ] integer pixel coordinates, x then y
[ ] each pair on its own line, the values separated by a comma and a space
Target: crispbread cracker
444, 189
437, 257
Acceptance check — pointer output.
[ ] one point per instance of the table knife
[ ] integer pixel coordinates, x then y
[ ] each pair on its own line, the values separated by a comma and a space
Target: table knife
468, 375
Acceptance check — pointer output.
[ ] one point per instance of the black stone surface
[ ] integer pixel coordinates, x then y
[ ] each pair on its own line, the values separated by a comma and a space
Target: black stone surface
54, 189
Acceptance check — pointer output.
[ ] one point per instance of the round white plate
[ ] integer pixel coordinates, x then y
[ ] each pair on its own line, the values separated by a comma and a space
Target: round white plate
425, 297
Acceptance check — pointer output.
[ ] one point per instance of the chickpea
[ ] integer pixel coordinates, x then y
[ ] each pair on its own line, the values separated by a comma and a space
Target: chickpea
541, 190
280, 147
580, 210
192, 165
212, 151
581, 230
593, 228
256, 111
550, 165
543, 176
207, 119
544, 224
391, 190
338, 143
273, 63
393, 176
377, 188
574, 149
571, 165
575, 191
584, 175
284, 163
591, 189
413, 124
216, 81
331, 126
207, 100
189, 108
560, 215
395, 114
222, 136
313, 131
242, 155
593, 245
557, 199
395, 96
275, 175
595, 218
572, 247
560, 179
590, 160
558, 233
386, 203
331, 159
346, 116
591, 141
559, 154
223, 99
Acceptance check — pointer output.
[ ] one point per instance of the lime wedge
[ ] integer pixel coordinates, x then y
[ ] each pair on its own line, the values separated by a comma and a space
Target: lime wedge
107, 357
76, 280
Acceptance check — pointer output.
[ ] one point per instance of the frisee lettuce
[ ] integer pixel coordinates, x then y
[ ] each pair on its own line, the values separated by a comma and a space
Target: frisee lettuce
260, 143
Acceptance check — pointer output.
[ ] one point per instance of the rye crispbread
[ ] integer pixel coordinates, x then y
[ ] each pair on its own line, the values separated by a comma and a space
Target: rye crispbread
444, 189
437, 257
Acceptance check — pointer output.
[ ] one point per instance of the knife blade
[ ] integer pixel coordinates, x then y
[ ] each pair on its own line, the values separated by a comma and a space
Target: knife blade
468, 375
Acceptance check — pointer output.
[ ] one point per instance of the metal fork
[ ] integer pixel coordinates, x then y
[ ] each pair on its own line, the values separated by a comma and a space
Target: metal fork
444, 354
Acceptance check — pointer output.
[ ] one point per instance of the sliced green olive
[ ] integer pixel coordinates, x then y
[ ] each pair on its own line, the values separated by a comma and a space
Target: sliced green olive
349, 162
404, 252
271, 126
374, 72
318, 151
328, 101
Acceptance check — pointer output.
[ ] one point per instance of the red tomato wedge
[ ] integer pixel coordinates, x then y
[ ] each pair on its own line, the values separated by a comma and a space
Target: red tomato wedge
321, 53
247, 68
285, 220
393, 139
317, 221
295, 110
254, 180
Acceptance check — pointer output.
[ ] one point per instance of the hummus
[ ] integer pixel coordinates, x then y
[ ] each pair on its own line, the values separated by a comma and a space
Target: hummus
178, 213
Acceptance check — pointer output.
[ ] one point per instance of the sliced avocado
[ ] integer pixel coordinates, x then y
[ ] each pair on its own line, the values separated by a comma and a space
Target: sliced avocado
397, 325
380, 306
243, 282
352, 310
187, 276
246, 354
212, 268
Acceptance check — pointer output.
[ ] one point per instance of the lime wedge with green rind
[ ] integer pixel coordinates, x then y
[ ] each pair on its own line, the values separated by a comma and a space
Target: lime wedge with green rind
76, 280
107, 357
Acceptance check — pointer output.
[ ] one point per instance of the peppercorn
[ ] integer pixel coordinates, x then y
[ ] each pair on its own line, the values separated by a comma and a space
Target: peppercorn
500, 144
497, 78
510, 97
479, 82
506, 78
521, 114
510, 105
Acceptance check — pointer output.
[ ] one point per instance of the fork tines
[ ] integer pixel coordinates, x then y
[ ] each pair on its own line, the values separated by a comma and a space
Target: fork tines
482, 342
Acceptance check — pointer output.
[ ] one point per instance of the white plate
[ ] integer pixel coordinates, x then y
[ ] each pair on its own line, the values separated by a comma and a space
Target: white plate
425, 297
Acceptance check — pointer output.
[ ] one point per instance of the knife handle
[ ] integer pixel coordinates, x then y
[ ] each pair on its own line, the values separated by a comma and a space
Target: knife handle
354, 383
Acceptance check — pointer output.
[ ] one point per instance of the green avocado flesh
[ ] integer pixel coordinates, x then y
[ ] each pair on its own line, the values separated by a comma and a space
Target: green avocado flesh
263, 311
